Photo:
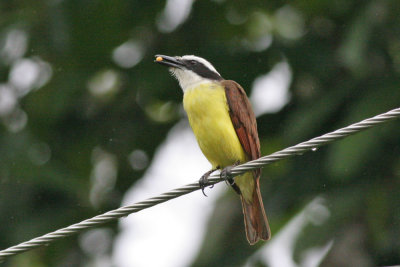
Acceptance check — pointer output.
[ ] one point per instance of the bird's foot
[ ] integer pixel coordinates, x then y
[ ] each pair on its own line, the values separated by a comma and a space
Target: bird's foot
203, 182
226, 174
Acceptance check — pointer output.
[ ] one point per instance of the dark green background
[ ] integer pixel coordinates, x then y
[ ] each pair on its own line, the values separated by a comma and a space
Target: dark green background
345, 60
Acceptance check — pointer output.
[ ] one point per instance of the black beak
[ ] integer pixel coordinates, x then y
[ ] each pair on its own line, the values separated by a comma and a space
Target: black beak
169, 61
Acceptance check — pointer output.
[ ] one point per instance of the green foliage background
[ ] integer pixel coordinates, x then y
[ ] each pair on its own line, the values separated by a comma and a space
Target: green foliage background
345, 61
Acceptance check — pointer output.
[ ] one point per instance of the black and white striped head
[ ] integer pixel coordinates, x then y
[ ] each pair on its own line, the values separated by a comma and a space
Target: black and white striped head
189, 70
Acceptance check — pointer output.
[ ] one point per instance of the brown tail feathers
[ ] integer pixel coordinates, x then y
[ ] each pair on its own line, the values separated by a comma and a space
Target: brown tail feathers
255, 220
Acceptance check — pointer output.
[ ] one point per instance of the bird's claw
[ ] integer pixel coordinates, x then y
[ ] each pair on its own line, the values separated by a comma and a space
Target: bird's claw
203, 182
226, 174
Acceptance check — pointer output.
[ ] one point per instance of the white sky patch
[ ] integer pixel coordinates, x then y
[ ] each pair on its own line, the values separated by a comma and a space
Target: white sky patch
169, 234
260, 44
104, 83
279, 251
174, 14
103, 175
270, 91
138, 159
8, 100
128, 54
259, 32
29, 73
16, 121
289, 22
14, 45
23, 75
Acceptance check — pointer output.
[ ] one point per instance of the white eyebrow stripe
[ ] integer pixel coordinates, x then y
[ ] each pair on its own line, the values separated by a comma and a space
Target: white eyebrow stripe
201, 60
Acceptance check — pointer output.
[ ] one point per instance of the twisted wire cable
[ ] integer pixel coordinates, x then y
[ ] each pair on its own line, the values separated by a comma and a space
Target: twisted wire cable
298, 149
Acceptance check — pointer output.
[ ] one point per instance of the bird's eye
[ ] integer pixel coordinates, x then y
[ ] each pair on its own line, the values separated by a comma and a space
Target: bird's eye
192, 62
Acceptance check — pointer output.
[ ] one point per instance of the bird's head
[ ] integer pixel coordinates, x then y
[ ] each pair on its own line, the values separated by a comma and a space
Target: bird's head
189, 70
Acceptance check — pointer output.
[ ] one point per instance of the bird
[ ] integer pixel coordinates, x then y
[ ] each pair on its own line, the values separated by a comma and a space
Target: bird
225, 127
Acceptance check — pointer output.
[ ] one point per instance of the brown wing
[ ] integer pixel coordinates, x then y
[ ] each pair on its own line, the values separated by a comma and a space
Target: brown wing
243, 119
244, 122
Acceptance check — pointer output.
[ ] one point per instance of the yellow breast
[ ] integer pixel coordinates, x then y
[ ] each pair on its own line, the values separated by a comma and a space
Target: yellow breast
207, 110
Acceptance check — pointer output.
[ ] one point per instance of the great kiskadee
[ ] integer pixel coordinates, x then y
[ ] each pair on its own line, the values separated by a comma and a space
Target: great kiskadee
225, 127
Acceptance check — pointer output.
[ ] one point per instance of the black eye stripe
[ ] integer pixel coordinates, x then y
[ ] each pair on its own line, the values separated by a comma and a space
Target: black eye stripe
191, 62
200, 69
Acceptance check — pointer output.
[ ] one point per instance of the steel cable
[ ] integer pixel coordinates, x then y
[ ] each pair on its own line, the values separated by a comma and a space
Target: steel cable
299, 149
